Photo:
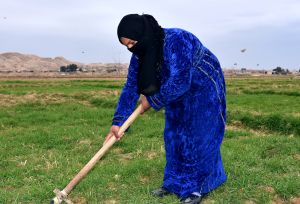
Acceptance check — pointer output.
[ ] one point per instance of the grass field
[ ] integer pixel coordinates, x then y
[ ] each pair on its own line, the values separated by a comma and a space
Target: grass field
50, 128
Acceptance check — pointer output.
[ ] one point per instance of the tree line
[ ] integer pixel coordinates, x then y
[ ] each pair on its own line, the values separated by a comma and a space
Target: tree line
70, 68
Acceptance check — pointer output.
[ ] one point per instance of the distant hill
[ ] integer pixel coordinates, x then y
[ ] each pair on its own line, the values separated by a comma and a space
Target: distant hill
17, 64
13, 62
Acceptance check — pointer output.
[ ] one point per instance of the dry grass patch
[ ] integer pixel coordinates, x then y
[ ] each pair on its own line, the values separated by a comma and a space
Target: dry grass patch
144, 179
126, 157
268, 189
278, 200
249, 202
78, 200
117, 150
85, 142
297, 156
151, 155
111, 201
112, 186
8, 100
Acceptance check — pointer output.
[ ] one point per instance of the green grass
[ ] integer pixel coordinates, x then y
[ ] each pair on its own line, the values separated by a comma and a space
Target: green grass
49, 129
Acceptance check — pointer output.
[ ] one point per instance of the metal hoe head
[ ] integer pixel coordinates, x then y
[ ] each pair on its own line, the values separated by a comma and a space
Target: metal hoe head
60, 197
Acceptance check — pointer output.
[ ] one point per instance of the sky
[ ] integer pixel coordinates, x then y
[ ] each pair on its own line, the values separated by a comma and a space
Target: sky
85, 31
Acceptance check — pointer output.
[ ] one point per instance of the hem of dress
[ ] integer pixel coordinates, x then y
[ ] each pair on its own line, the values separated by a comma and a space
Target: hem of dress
222, 180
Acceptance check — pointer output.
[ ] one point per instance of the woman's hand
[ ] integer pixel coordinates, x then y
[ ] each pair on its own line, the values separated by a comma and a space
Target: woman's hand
113, 132
145, 104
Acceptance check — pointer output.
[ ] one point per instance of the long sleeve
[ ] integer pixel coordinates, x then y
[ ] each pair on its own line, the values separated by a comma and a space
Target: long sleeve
129, 95
180, 62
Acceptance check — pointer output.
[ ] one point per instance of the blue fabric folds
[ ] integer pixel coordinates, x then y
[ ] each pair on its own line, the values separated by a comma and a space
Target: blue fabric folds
193, 94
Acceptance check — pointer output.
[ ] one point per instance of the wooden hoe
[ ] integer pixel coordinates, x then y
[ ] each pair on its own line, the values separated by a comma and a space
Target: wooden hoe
63, 195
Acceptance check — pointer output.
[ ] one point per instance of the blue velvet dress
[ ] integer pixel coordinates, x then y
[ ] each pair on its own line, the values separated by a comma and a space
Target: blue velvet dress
193, 96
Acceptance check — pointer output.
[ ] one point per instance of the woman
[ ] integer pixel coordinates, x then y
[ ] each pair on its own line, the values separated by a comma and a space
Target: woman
172, 69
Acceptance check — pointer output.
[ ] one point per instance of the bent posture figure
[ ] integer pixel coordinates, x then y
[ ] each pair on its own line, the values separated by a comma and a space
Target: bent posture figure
173, 70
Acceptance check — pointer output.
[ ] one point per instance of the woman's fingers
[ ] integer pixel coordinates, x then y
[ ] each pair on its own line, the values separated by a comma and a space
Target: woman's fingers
145, 104
142, 111
120, 136
113, 132
107, 138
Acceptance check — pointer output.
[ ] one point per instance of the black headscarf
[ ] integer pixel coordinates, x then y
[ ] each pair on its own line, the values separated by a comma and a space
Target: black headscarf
149, 48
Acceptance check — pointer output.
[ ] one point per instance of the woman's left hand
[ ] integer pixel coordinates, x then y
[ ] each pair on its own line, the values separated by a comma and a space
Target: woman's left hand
145, 104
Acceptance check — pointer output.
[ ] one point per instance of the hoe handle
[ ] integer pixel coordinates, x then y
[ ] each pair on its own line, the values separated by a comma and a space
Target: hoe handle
84, 171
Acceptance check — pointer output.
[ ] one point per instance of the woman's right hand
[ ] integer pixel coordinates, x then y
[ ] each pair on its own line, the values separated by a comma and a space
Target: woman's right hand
113, 132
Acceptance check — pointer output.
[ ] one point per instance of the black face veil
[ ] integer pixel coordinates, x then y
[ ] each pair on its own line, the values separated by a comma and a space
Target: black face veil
149, 48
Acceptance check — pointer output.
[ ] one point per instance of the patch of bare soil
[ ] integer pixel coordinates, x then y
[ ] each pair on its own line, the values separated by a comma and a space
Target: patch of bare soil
295, 200
278, 200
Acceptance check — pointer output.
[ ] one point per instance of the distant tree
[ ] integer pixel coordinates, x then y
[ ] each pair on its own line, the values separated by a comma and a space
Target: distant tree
63, 69
279, 70
69, 68
72, 67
